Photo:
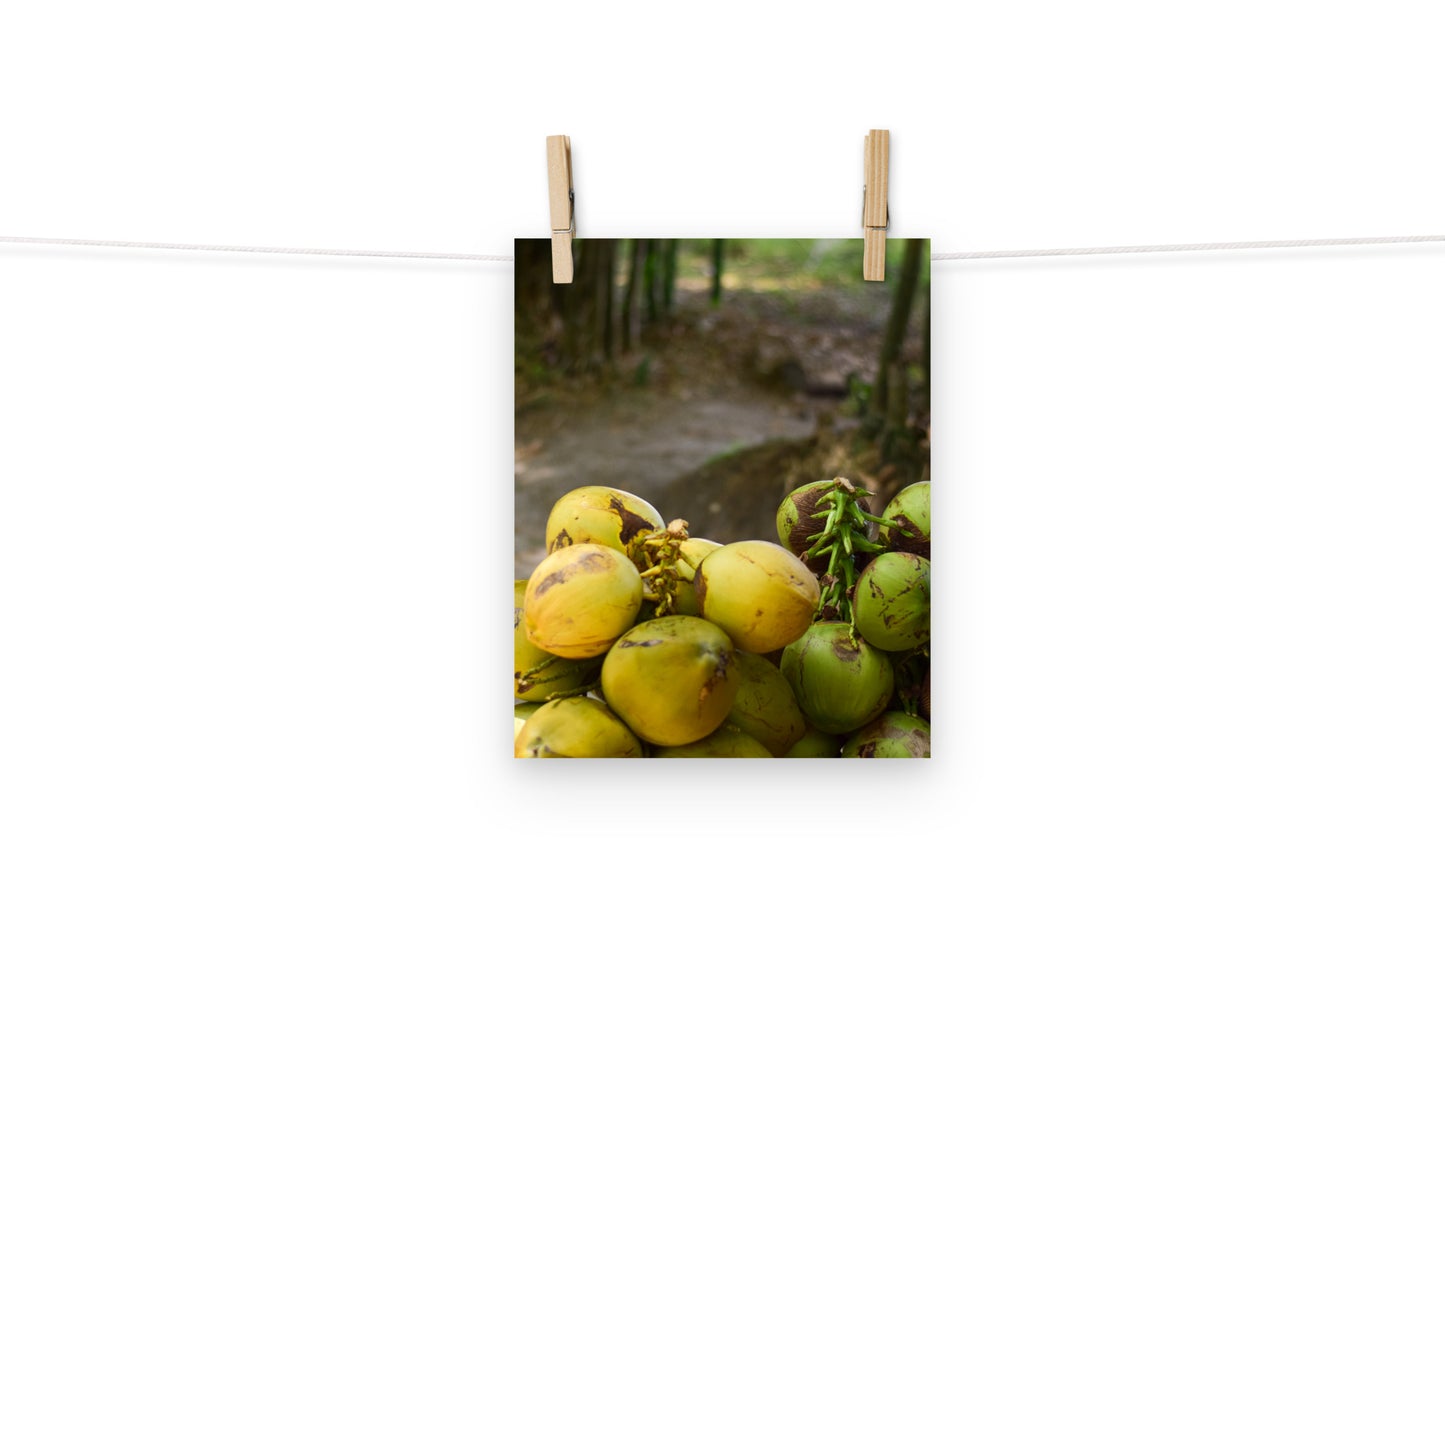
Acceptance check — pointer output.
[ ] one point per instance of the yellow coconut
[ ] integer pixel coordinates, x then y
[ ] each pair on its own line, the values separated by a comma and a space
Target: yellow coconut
758, 593
605, 515
671, 680
690, 556
575, 727
581, 599
538, 676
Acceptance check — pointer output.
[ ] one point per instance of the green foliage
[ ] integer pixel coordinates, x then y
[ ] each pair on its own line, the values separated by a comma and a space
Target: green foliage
805, 264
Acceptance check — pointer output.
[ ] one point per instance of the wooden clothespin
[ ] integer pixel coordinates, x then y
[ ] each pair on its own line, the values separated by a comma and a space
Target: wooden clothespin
875, 204
560, 201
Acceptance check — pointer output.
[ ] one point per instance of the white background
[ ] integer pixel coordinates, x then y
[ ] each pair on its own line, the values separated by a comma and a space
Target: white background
360, 1085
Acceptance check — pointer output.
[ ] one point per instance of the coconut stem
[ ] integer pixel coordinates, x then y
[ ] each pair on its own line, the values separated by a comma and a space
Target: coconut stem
842, 538
662, 549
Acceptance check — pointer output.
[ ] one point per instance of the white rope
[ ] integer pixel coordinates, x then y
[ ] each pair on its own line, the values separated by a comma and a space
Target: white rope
1182, 246
255, 250
936, 255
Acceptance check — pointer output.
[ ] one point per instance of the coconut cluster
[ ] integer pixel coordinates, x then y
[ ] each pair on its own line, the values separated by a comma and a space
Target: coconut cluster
714, 651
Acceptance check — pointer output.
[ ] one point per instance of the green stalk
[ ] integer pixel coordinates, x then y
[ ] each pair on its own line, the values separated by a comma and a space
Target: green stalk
843, 537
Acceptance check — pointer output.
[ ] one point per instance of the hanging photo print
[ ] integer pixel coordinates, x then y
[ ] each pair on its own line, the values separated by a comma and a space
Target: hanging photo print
722, 487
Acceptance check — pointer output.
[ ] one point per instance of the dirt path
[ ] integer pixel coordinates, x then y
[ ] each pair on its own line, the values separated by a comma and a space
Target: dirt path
762, 368
642, 444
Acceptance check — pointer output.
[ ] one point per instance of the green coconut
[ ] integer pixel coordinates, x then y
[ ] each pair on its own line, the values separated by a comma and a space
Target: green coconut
840, 682
765, 707
890, 735
521, 712
816, 744
890, 601
910, 511
726, 742
801, 515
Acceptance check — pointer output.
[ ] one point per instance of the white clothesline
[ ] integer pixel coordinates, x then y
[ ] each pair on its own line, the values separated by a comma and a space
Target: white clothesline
476, 257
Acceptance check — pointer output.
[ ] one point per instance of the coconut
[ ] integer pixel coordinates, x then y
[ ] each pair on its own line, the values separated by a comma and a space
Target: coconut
815, 744
671, 680
841, 682
765, 707
689, 556
890, 735
801, 516
538, 676
581, 599
890, 601
910, 510
758, 593
575, 727
726, 742
605, 515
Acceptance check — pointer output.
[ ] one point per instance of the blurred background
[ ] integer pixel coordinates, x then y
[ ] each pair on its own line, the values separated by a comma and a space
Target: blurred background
710, 377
